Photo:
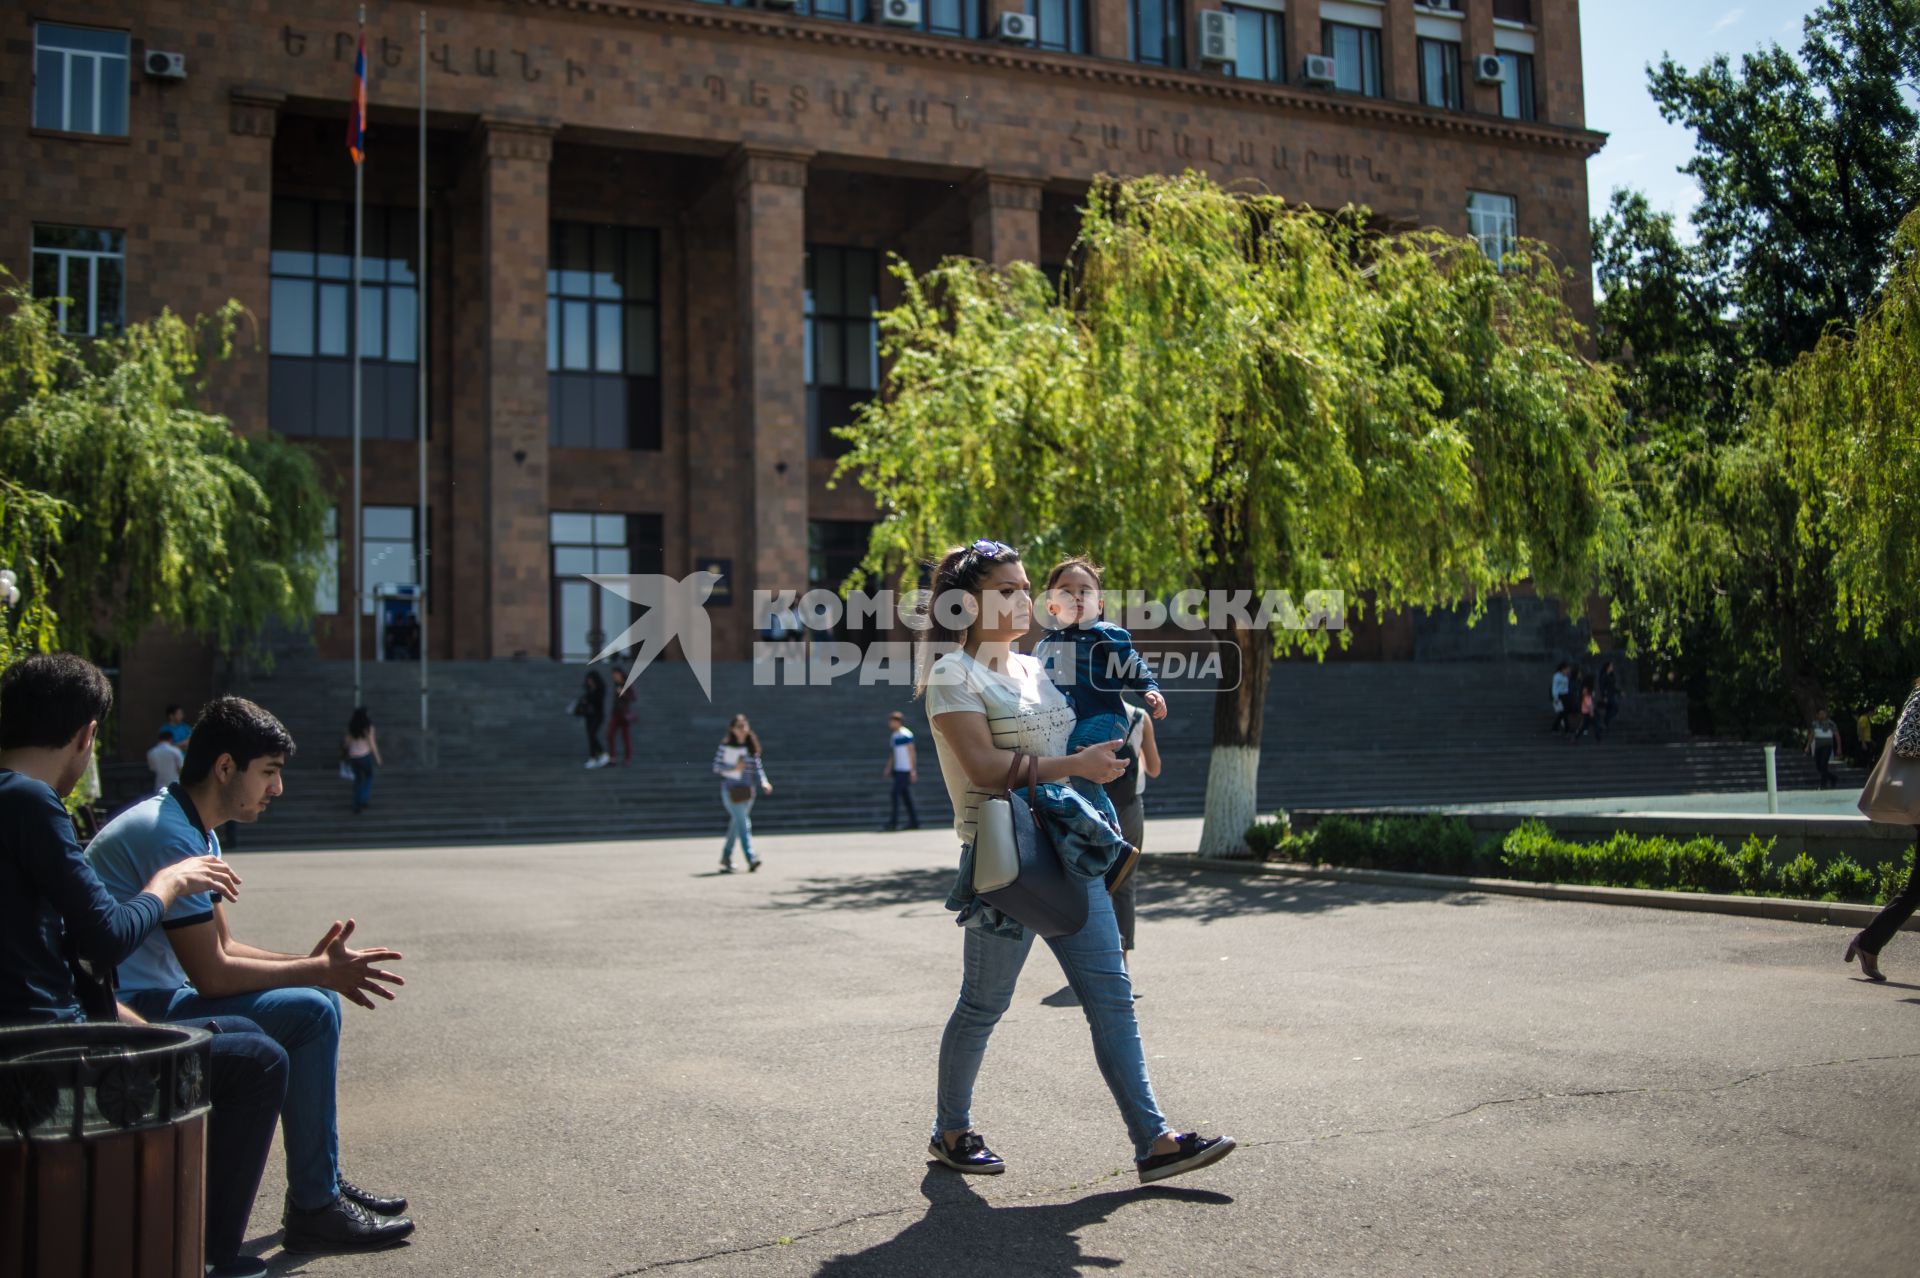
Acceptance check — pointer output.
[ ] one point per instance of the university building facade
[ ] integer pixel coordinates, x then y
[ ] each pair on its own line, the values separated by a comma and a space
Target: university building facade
659, 229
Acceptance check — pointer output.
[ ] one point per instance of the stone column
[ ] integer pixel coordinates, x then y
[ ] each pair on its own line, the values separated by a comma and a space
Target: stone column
1006, 219
1108, 18
239, 388
1400, 53
514, 158
770, 237
1557, 71
1478, 35
1303, 36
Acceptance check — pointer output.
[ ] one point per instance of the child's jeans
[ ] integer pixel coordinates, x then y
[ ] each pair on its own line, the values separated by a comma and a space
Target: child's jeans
1089, 732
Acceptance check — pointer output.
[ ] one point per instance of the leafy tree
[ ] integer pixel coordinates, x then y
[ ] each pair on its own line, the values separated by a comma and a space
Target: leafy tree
1238, 394
124, 505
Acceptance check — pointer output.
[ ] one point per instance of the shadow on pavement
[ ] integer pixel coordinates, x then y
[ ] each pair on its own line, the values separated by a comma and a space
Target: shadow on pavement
891, 890
963, 1233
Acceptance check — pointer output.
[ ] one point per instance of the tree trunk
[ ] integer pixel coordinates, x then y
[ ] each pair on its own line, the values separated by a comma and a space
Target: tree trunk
1233, 774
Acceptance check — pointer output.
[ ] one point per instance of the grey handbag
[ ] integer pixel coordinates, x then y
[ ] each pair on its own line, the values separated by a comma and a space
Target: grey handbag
1016, 868
1892, 793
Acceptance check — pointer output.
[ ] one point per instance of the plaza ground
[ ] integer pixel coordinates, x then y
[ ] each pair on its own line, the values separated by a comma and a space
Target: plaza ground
610, 1060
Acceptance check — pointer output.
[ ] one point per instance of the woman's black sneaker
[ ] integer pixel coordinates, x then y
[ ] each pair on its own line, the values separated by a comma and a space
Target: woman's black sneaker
969, 1154
1196, 1151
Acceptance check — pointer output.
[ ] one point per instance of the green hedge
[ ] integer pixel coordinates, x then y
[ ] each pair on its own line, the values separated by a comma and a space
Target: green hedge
1433, 844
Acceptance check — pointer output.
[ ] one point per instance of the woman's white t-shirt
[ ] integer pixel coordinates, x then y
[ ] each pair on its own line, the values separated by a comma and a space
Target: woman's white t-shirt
1024, 711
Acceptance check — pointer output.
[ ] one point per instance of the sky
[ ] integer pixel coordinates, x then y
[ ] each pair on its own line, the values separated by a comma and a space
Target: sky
1619, 39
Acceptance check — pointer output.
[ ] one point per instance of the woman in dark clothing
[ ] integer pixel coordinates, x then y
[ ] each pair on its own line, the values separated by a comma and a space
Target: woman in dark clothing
1866, 946
592, 707
620, 721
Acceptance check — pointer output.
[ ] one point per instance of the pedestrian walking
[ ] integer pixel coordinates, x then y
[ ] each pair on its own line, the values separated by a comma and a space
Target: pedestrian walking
1142, 757
903, 766
620, 720
742, 779
1823, 738
1867, 946
177, 727
987, 705
1561, 690
164, 760
361, 751
591, 706
1863, 732
1584, 702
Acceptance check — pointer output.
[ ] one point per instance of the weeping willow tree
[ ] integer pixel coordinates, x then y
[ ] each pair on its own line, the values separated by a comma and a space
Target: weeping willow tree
123, 505
1233, 393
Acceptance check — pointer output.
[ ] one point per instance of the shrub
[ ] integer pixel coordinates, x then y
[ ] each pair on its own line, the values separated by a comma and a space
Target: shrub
1753, 865
1263, 837
1703, 865
1893, 877
1800, 878
1844, 879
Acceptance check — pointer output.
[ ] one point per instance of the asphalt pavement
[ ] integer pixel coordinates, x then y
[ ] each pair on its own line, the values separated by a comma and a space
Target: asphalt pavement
611, 1060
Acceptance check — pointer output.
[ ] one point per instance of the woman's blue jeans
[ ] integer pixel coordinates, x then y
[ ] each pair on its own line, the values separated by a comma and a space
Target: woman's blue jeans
362, 780
1091, 960
739, 826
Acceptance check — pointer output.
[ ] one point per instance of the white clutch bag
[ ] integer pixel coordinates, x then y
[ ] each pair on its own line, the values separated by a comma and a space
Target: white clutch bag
996, 856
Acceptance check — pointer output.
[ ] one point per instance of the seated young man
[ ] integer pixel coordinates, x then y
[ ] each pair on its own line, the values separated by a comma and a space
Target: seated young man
193, 966
52, 902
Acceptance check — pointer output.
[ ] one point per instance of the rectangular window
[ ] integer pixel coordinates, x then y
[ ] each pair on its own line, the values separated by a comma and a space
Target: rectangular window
835, 548
1261, 44
1356, 57
80, 80
842, 341
586, 616
1440, 73
603, 337
1520, 11
387, 542
83, 270
310, 335
1059, 25
1157, 32
326, 587
1516, 94
1493, 220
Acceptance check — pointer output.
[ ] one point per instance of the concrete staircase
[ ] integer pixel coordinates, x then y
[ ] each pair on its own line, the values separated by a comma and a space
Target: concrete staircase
504, 759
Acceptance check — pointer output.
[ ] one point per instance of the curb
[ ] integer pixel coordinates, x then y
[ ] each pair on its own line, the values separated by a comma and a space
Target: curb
1833, 913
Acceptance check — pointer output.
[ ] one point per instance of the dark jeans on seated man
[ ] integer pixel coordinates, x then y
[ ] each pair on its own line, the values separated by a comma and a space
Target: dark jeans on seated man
248, 1085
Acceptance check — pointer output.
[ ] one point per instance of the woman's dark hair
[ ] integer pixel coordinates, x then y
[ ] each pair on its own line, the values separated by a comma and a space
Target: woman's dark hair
237, 727
48, 699
361, 723
752, 742
1061, 569
594, 680
961, 570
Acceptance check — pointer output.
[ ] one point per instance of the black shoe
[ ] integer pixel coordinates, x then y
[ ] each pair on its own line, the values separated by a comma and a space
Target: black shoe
239, 1267
379, 1204
1196, 1151
725, 868
753, 865
969, 1154
342, 1225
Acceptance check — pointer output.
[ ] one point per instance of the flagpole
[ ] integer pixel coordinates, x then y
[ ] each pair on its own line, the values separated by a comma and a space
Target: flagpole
420, 353
359, 527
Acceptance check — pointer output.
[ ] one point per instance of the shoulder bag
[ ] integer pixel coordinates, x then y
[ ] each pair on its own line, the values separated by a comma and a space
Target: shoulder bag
1892, 792
1016, 868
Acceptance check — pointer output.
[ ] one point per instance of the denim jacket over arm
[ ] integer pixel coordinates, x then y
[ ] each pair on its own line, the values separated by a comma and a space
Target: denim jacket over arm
1087, 845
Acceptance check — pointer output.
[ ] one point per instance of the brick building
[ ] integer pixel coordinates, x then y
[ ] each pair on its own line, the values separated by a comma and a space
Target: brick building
658, 229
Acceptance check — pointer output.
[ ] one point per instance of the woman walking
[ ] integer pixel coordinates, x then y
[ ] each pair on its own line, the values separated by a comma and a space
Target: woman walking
363, 756
620, 721
987, 703
737, 761
592, 709
1867, 946
1142, 757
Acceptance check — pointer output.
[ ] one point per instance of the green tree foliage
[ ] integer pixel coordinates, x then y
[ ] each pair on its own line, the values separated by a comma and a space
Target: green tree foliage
123, 505
1238, 394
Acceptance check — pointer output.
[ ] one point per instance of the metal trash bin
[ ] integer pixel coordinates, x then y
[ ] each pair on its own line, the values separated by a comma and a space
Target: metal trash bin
103, 1150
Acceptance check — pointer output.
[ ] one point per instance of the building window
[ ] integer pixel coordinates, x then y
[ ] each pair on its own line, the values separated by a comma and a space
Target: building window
835, 548
586, 617
1440, 73
82, 270
326, 586
80, 80
387, 540
1520, 11
951, 18
1443, 6
1261, 43
834, 10
603, 337
1492, 220
310, 326
1516, 91
1356, 57
1059, 25
842, 341
1157, 32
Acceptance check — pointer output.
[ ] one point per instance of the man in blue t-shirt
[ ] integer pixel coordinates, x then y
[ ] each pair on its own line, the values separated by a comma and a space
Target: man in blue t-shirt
193, 966
54, 910
176, 727
903, 765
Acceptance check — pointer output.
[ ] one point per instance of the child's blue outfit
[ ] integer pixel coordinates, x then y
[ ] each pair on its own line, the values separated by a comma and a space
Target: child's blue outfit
1092, 664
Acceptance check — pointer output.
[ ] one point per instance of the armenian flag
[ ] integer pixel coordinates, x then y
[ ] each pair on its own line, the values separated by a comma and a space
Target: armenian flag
357, 113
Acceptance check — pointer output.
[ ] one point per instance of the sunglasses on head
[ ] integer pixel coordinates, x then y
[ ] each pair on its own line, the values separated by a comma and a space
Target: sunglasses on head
985, 549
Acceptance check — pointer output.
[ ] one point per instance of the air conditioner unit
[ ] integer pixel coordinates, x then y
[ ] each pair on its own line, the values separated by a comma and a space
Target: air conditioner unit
1319, 69
1219, 37
166, 66
900, 13
1489, 69
1015, 28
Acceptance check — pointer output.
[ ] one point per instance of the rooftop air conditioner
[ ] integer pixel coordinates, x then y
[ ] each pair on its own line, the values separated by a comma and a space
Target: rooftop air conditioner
1488, 68
1219, 37
1015, 28
1318, 70
900, 13
166, 66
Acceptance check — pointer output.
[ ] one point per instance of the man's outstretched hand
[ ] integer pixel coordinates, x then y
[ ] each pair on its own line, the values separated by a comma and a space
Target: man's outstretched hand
352, 972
